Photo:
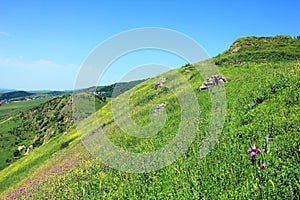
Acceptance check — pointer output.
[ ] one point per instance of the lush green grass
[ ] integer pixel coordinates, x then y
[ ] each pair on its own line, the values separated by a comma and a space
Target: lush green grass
263, 103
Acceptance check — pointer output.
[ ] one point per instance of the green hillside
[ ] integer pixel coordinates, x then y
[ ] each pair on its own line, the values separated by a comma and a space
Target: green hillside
29, 129
257, 155
15, 94
117, 88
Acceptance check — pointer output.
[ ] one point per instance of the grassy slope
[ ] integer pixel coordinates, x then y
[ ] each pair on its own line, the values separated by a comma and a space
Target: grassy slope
263, 102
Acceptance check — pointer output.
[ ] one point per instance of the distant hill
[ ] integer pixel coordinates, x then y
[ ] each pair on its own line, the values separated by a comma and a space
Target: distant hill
104, 91
49, 92
4, 90
15, 94
113, 90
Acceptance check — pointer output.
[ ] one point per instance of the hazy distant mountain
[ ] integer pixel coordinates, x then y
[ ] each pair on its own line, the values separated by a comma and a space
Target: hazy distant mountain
3, 90
14, 94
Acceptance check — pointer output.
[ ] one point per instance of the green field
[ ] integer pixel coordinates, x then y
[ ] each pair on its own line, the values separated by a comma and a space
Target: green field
8, 110
257, 155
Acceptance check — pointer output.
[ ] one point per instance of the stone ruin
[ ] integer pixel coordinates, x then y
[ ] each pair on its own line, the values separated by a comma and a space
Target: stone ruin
160, 83
159, 107
213, 81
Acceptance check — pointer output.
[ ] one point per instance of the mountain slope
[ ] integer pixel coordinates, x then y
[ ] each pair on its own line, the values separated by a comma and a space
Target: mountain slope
30, 129
262, 117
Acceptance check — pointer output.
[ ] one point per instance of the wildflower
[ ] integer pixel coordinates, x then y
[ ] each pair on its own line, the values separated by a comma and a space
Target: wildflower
253, 154
252, 160
177, 188
263, 165
298, 150
224, 190
258, 151
249, 150
104, 168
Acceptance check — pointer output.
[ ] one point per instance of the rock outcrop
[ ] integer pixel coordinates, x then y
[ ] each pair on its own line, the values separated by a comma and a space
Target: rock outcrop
159, 107
20, 148
160, 83
213, 81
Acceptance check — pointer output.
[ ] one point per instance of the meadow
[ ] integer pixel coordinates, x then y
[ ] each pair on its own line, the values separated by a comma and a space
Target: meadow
8, 110
257, 154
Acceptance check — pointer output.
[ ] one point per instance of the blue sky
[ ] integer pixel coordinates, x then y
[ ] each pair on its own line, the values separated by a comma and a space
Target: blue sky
44, 43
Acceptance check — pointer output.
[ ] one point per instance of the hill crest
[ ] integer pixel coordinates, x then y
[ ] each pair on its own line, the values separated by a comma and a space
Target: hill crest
260, 50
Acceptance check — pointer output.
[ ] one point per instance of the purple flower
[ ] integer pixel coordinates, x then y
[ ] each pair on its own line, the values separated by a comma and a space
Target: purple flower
263, 165
298, 150
253, 154
224, 190
249, 150
104, 168
177, 188
258, 151
252, 160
